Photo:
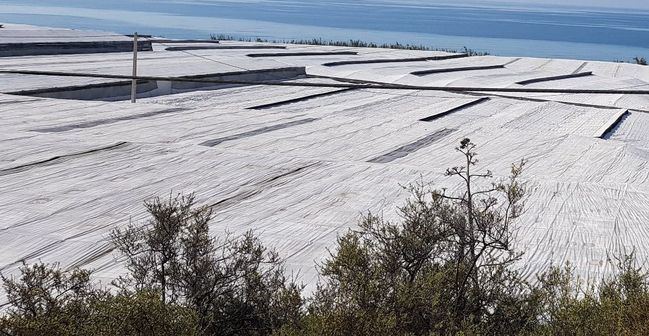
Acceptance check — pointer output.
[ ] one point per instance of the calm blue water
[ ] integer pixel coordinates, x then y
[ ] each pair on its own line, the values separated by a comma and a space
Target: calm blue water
561, 32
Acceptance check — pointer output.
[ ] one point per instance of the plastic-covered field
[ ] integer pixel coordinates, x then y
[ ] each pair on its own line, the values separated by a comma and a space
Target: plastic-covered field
305, 165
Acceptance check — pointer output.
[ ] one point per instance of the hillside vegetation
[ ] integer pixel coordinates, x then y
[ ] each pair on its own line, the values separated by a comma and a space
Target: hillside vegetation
350, 43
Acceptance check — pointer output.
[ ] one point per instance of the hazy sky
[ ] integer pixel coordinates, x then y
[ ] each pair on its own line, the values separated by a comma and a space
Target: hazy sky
628, 4
589, 3
644, 4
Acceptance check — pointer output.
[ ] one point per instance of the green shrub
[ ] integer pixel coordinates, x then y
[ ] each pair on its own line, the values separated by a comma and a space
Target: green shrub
444, 269
617, 306
236, 286
180, 281
45, 300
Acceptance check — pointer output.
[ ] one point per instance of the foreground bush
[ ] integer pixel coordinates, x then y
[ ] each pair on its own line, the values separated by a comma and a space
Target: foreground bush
180, 282
618, 306
235, 285
44, 300
446, 268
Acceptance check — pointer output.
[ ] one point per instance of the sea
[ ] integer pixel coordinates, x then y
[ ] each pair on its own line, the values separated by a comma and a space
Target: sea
608, 34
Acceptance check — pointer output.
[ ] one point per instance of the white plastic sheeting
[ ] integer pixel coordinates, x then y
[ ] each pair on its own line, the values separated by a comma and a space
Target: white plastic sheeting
70, 171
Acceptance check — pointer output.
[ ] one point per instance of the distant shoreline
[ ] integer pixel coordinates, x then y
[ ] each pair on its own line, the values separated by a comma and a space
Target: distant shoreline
613, 36
353, 44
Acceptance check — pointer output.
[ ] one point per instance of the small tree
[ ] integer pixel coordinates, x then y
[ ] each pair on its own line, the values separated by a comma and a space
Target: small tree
617, 306
640, 60
45, 300
152, 253
480, 229
444, 269
235, 286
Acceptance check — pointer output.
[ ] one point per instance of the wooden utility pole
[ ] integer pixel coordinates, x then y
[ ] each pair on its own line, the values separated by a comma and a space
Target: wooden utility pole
134, 81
